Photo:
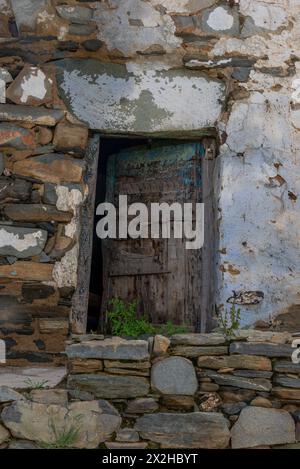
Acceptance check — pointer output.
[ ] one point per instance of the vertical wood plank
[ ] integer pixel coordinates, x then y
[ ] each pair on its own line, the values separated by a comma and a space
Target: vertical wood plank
81, 296
209, 248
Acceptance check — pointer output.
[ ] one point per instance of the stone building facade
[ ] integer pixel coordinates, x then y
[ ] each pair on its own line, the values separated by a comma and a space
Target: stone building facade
74, 70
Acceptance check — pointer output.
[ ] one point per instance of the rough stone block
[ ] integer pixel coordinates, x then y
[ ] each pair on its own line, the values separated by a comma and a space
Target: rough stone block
174, 375
110, 349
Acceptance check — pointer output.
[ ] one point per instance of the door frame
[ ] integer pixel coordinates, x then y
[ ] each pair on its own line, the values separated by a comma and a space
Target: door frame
209, 174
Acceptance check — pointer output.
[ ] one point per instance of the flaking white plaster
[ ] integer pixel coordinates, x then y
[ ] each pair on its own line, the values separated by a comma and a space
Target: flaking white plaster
220, 20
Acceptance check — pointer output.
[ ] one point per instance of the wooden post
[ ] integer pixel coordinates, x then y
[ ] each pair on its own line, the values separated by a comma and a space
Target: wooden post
81, 296
208, 264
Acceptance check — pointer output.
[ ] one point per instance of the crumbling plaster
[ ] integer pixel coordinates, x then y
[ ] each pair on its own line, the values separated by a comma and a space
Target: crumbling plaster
259, 172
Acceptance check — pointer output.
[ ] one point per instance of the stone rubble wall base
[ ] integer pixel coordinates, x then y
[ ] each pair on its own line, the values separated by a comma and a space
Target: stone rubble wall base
187, 391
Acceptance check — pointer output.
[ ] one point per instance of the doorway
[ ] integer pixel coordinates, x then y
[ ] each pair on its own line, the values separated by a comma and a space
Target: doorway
164, 277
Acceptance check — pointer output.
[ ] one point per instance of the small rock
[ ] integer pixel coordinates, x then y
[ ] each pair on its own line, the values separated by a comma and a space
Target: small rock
82, 29
160, 345
110, 386
22, 444
15, 136
26, 12
4, 434
36, 213
185, 403
75, 13
286, 393
247, 362
81, 395
233, 409
94, 421
211, 403
258, 384
287, 382
208, 387
191, 351
261, 402
49, 396
259, 426
55, 168
21, 242
27, 377
296, 415
175, 376
142, 405
30, 114
128, 435
262, 349
201, 430
119, 445
78, 365
31, 87
286, 366
198, 339
237, 395
92, 45
9, 395
70, 137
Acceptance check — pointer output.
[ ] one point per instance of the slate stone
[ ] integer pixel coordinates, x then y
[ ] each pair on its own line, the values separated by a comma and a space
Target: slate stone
31, 87
260, 426
1, 163
26, 377
49, 396
30, 114
198, 339
286, 381
234, 408
95, 421
36, 213
179, 403
253, 374
75, 14
22, 444
201, 429
221, 20
153, 104
110, 386
16, 137
258, 384
247, 362
142, 405
282, 366
82, 29
92, 45
70, 137
55, 168
21, 242
25, 12
191, 351
114, 348
49, 195
174, 375
241, 74
9, 395
4, 434
264, 349
292, 394
16, 189
127, 435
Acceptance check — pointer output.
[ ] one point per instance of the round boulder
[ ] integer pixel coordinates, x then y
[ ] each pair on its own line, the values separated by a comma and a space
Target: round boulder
174, 376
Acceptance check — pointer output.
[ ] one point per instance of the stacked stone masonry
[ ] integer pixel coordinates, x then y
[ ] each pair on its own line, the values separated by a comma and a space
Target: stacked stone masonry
157, 68
187, 391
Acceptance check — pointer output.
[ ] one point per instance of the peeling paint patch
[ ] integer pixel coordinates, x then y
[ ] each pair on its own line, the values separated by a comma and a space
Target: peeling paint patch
220, 20
21, 242
111, 98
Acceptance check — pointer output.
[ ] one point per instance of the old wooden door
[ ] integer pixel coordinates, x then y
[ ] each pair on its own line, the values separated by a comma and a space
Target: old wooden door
161, 273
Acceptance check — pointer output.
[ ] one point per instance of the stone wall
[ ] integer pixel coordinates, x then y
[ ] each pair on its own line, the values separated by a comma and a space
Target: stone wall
187, 391
157, 68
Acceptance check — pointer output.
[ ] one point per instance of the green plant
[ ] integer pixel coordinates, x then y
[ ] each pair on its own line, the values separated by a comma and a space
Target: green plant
36, 384
229, 322
65, 438
124, 321
169, 329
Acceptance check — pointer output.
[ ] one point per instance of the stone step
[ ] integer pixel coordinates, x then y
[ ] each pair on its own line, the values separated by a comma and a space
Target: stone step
31, 377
